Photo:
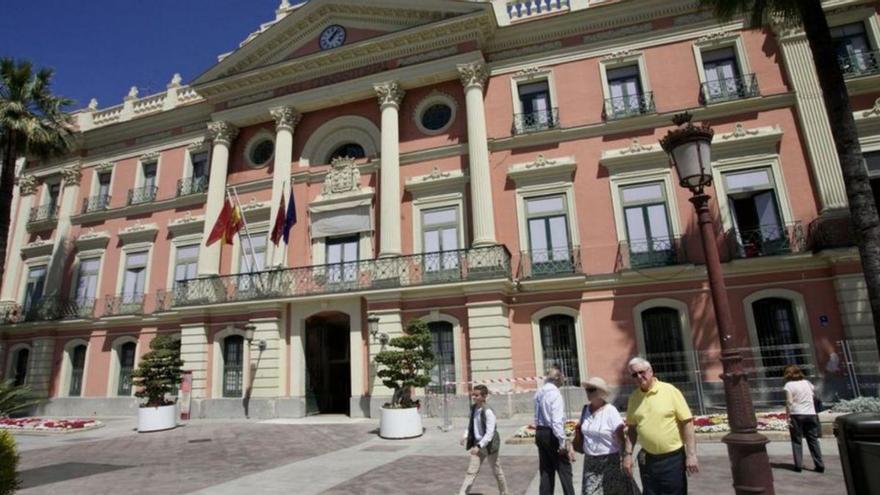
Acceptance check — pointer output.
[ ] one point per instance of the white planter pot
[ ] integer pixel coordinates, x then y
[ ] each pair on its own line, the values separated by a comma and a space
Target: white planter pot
157, 418
400, 423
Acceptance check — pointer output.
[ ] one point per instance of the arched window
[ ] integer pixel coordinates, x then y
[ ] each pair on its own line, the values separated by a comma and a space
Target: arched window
126, 366
351, 150
233, 365
20, 366
777, 335
443, 347
559, 345
664, 344
77, 368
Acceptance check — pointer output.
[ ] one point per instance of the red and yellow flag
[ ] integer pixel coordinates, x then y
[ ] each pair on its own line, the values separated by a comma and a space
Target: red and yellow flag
228, 223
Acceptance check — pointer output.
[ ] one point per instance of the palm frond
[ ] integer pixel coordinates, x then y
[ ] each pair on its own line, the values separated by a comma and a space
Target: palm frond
16, 398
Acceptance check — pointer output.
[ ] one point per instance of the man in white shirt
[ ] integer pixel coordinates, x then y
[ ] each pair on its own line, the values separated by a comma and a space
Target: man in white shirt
482, 441
555, 453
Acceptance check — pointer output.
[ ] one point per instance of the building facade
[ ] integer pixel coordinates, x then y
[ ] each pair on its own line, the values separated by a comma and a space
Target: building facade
490, 167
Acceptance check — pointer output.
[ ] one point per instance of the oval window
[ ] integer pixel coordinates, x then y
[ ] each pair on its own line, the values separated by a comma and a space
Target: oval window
436, 116
262, 152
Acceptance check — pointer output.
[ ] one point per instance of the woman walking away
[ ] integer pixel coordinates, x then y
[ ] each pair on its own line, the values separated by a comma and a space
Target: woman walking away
601, 435
802, 418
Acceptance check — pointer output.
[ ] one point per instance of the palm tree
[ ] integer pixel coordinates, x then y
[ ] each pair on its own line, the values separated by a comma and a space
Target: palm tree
33, 122
863, 210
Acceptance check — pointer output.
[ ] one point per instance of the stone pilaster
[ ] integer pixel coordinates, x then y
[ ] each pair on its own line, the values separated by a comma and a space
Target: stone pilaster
71, 177
40, 365
390, 324
194, 352
390, 96
266, 370
489, 339
473, 78
813, 118
27, 186
222, 133
286, 119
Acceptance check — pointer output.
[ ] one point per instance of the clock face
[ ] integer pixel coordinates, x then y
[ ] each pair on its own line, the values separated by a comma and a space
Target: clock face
332, 37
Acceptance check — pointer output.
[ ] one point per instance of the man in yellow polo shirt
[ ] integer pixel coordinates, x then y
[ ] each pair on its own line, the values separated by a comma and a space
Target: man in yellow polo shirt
658, 418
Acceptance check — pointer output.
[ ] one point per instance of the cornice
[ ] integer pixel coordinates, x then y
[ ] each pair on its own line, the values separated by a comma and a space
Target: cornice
436, 181
138, 232
92, 240
543, 169
39, 247
126, 211
186, 225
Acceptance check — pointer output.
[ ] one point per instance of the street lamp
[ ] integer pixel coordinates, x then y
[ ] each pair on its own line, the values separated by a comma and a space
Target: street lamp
249, 331
373, 326
689, 148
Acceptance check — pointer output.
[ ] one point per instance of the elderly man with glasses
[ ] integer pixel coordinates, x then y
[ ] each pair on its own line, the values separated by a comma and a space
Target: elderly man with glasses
658, 418
555, 453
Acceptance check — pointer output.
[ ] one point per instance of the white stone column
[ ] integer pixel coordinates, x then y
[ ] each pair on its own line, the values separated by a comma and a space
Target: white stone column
286, 119
489, 339
71, 177
222, 133
390, 96
40, 365
473, 77
27, 186
194, 353
813, 119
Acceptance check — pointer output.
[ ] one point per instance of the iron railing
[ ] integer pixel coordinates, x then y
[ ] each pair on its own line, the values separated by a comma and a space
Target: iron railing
96, 203
43, 212
51, 308
628, 106
124, 304
860, 64
767, 240
164, 299
638, 254
192, 185
734, 88
403, 271
142, 195
830, 233
536, 121
550, 263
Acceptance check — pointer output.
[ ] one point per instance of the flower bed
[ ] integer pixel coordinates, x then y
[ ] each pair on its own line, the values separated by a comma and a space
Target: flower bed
528, 431
47, 425
713, 423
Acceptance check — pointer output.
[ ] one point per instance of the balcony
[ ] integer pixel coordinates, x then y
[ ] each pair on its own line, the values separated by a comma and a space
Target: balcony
831, 233
526, 9
142, 195
384, 273
124, 305
192, 185
860, 64
768, 240
640, 254
44, 213
96, 203
542, 120
550, 263
52, 308
734, 88
623, 107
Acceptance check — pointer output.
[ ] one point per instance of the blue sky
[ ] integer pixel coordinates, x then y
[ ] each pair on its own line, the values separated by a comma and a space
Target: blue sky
100, 48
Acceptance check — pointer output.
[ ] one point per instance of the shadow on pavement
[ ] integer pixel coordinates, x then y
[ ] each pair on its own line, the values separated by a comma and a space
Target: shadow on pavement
64, 471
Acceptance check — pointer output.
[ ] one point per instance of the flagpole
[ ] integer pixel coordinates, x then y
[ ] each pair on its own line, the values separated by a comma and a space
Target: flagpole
253, 263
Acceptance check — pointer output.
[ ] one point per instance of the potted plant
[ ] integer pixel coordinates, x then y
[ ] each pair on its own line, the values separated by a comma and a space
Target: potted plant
157, 375
403, 369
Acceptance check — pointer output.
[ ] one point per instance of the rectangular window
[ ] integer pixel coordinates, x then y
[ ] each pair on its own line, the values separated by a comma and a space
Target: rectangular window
251, 260
186, 264
199, 165
549, 247
625, 92
755, 211
647, 225
853, 49
342, 257
723, 78
33, 291
440, 239
149, 175
87, 285
135, 279
536, 107
104, 184
54, 192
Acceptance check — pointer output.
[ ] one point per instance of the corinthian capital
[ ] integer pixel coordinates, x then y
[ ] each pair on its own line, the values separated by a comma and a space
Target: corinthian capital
27, 185
389, 93
222, 132
71, 175
286, 118
473, 74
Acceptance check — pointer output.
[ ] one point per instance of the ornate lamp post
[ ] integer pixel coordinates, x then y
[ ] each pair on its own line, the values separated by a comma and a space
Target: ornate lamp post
689, 148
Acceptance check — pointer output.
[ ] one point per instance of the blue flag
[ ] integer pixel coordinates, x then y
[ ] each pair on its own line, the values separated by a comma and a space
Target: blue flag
290, 219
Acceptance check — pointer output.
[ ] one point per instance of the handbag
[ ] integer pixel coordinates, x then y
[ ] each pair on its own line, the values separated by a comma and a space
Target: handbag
578, 435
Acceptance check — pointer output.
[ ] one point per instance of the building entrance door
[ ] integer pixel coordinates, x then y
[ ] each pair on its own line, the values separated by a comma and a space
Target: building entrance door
328, 379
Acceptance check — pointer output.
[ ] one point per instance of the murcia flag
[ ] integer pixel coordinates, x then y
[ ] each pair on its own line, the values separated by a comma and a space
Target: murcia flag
278, 228
290, 220
228, 223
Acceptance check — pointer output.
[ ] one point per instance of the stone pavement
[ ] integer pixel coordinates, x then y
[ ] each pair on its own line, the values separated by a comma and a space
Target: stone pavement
332, 455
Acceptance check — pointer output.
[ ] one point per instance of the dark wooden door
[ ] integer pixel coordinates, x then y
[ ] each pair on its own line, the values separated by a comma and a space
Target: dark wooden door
327, 362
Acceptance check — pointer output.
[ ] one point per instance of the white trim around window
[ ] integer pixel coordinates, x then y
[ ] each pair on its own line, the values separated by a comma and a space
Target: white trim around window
457, 348
30, 264
538, 349
11, 361
684, 319
67, 368
176, 243
531, 75
743, 163
799, 308
720, 41
128, 250
217, 362
150, 159
865, 14
116, 365
441, 201
663, 175
614, 61
525, 193
255, 229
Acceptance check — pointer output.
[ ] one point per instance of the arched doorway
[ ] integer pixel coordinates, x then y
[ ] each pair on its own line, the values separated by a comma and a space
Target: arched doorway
778, 335
664, 343
328, 368
559, 345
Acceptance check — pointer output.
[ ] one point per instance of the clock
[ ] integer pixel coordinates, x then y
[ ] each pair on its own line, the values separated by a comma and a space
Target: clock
332, 37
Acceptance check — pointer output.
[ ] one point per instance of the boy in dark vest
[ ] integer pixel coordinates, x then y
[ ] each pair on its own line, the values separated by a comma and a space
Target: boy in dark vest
482, 441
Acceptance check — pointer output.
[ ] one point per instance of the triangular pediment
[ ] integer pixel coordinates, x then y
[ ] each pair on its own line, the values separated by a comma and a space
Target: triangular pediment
296, 33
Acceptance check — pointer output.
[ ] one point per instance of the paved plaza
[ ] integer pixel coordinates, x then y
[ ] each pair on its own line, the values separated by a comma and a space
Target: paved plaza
331, 455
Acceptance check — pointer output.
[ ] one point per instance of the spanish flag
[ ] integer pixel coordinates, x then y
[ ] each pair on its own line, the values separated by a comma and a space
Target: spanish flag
228, 224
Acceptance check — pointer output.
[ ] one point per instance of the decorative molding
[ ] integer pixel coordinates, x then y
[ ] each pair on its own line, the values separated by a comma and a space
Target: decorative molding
286, 118
104, 167
717, 37
739, 132
541, 161
424, 57
138, 232
38, 247
437, 181
71, 175
199, 146
150, 157
473, 74
187, 224
222, 132
636, 147
621, 54
528, 50
618, 33
389, 93
344, 177
433, 98
543, 169
27, 185
92, 240
872, 112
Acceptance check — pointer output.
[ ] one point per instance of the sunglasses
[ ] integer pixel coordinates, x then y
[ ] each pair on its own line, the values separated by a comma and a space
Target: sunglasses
590, 390
636, 374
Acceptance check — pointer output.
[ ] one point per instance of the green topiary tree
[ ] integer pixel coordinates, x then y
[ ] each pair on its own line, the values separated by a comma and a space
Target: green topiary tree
410, 367
159, 371
9, 481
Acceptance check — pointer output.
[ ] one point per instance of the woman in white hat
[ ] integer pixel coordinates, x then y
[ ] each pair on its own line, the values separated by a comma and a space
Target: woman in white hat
601, 428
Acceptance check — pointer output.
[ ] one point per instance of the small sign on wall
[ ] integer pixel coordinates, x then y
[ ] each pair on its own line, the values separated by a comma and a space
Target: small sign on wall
824, 321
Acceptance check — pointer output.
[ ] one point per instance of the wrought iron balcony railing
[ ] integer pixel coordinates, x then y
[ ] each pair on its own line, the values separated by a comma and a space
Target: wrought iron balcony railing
51, 308
192, 185
124, 304
860, 64
43, 213
622, 107
734, 88
638, 254
767, 240
403, 271
96, 203
536, 121
10, 312
830, 233
550, 262
142, 195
